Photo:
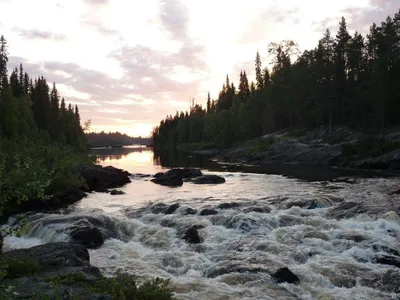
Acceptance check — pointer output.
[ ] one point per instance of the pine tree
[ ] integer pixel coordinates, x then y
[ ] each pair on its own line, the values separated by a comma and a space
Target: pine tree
259, 75
341, 54
55, 127
266, 77
208, 103
3, 65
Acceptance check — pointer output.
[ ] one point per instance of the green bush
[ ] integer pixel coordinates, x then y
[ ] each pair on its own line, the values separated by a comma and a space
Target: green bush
121, 287
36, 170
261, 145
369, 146
11, 267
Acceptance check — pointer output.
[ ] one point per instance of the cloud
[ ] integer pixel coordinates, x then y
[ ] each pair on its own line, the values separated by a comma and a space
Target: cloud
39, 34
361, 18
173, 16
96, 2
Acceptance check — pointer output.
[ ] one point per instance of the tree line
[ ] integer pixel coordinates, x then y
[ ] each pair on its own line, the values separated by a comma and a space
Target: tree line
29, 107
41, 139
348, 80
99, 139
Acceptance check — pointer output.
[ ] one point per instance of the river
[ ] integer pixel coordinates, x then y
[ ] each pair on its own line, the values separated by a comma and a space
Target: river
333, 248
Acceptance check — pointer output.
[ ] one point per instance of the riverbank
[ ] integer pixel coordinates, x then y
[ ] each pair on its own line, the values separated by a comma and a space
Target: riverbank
343, 153
63, 271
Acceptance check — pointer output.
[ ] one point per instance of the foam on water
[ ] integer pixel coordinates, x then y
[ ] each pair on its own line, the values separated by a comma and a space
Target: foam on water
334, 259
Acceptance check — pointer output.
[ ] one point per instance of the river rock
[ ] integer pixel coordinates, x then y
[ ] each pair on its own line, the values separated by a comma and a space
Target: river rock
192, 235
54, 256
184, 173
347, 210
172, 181
100, 178
209, 179
90, 237
116, 192
263, 210
388, 260
208, 212
188, 211
159, 174
171, 209
285, 275
228, 205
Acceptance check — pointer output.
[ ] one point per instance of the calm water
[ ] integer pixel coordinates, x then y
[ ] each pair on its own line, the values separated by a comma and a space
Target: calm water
335, 259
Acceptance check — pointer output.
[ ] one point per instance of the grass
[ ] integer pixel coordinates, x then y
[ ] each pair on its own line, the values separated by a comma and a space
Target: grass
262, 144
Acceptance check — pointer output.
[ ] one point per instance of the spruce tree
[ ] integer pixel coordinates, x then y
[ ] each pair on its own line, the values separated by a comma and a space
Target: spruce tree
259, 75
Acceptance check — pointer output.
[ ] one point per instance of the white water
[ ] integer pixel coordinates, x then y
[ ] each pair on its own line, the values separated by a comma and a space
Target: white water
334, 259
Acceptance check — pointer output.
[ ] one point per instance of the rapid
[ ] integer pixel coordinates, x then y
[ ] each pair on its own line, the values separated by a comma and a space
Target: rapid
341, 238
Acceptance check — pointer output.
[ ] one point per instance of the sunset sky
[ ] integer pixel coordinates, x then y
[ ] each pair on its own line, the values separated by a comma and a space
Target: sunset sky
127, 64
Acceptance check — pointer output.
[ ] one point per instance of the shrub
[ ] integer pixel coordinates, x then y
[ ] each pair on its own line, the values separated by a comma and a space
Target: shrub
261, 145
121, 287
369, 146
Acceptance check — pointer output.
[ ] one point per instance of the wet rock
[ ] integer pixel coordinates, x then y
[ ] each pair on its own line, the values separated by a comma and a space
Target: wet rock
54, 256
285, 275
100, 178
110, 227
116, 192
392, 216
184, 173
396, 192
311, 203
241, 268
383, 248
208, 212
347, 210
228, 205
171, 181
90, 237
353, 236
208, 179
188, 211
159, 208
388, 260
171, 209
192, 235
243, 223
263, 210
169, 223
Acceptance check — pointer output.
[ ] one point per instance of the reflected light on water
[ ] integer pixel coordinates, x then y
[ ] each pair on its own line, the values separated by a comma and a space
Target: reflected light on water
137, 160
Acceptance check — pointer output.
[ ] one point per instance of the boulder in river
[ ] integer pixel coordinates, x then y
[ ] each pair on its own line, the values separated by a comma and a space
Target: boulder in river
285, 275
208, 179
171, 181
100, 178
228, 205
171, 209
208, 212
89, 237
116, 192
192, 235
54, 256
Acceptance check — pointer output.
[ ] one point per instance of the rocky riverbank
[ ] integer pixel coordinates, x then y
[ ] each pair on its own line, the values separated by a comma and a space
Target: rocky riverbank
63, 271
96, 179
344, 148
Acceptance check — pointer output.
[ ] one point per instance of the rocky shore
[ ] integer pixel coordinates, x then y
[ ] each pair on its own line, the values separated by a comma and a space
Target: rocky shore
63, 271
96, 178
344, 148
